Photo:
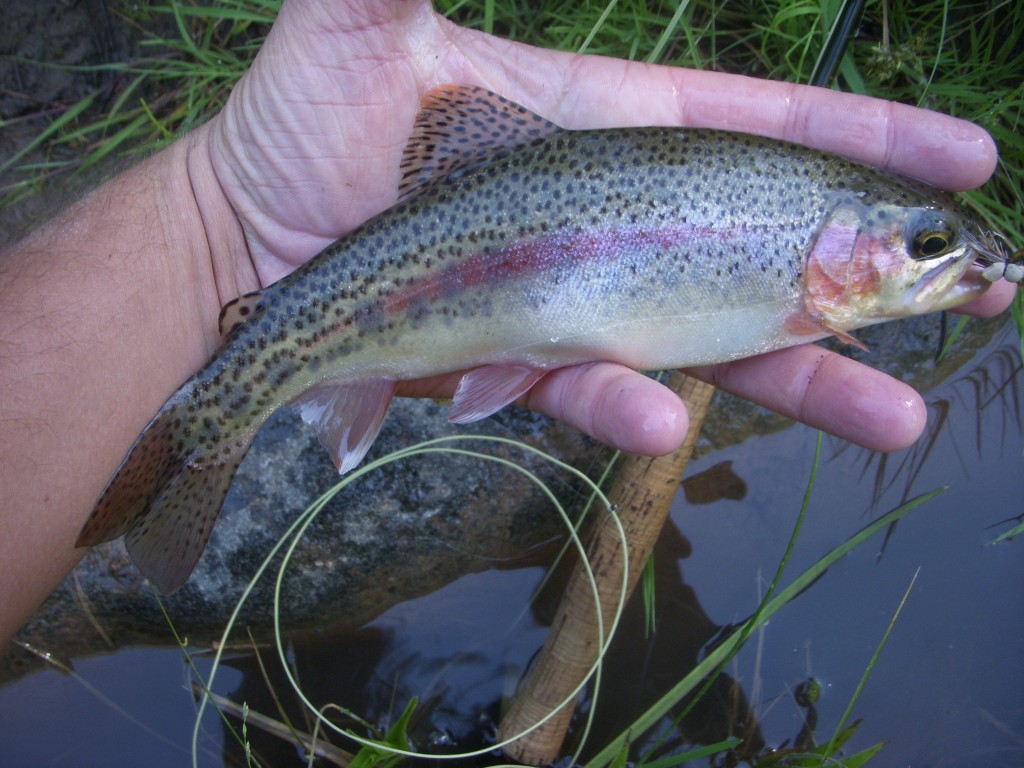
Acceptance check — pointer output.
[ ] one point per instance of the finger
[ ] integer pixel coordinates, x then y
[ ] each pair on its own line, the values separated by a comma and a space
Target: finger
611, 403
827, 391
615, 405
595, 92
993, 301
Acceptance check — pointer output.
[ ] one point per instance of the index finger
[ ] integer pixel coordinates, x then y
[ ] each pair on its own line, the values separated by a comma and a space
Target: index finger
580, 91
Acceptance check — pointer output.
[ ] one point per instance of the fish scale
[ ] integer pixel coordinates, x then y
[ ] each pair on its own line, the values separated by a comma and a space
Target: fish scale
517, 247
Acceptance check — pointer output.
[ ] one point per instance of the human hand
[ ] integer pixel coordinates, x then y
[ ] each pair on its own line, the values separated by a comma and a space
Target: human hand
309, 146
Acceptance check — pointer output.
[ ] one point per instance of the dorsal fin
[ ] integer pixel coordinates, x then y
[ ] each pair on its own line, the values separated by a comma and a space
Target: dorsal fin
462, 126
237, 311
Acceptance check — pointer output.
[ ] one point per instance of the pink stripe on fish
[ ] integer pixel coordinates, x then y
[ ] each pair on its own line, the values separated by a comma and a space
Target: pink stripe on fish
536, 256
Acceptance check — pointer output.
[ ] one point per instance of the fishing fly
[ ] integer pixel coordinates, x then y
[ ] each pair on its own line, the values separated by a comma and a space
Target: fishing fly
1001, 264
997, 252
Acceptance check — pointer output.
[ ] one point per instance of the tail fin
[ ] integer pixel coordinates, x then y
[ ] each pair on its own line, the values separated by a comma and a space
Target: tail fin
164, 499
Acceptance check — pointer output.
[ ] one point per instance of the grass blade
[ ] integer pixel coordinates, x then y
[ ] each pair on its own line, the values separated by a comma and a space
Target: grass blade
731, 643
49, 132
868, 670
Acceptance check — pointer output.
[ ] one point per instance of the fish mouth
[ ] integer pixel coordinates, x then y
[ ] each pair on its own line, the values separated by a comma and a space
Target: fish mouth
938, 289
974, 278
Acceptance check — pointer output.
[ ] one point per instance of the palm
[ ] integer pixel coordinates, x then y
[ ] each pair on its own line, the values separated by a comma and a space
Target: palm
323, 152
310, 142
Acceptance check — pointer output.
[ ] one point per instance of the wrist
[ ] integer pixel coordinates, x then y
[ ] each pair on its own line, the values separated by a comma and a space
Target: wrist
231, 269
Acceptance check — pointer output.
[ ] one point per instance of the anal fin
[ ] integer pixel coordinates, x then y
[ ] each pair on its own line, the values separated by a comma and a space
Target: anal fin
347, 415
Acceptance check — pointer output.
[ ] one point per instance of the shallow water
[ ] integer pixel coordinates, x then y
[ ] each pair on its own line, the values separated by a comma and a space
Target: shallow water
948, 689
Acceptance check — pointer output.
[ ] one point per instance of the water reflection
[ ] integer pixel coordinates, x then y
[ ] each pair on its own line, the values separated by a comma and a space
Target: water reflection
376, 670
714, 484
990, 386
976, 414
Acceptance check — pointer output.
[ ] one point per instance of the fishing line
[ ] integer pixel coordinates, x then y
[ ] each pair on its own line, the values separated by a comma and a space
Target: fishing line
296, 531
605, 638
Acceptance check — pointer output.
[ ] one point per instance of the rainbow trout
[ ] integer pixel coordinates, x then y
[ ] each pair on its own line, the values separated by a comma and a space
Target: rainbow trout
517, 247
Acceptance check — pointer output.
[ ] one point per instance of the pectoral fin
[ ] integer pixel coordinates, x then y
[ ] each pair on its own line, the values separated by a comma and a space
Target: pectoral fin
845, 337
806, 324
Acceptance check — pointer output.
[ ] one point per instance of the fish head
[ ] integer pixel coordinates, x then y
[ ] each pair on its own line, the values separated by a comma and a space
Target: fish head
874, 262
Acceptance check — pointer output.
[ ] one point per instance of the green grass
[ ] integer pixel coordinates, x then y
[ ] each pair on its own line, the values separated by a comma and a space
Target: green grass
181, 78
961, 59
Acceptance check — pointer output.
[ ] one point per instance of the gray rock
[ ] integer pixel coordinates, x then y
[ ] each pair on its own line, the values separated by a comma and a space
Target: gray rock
398, 532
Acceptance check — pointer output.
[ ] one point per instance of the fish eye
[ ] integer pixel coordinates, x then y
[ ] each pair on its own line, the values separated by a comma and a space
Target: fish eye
931, 236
